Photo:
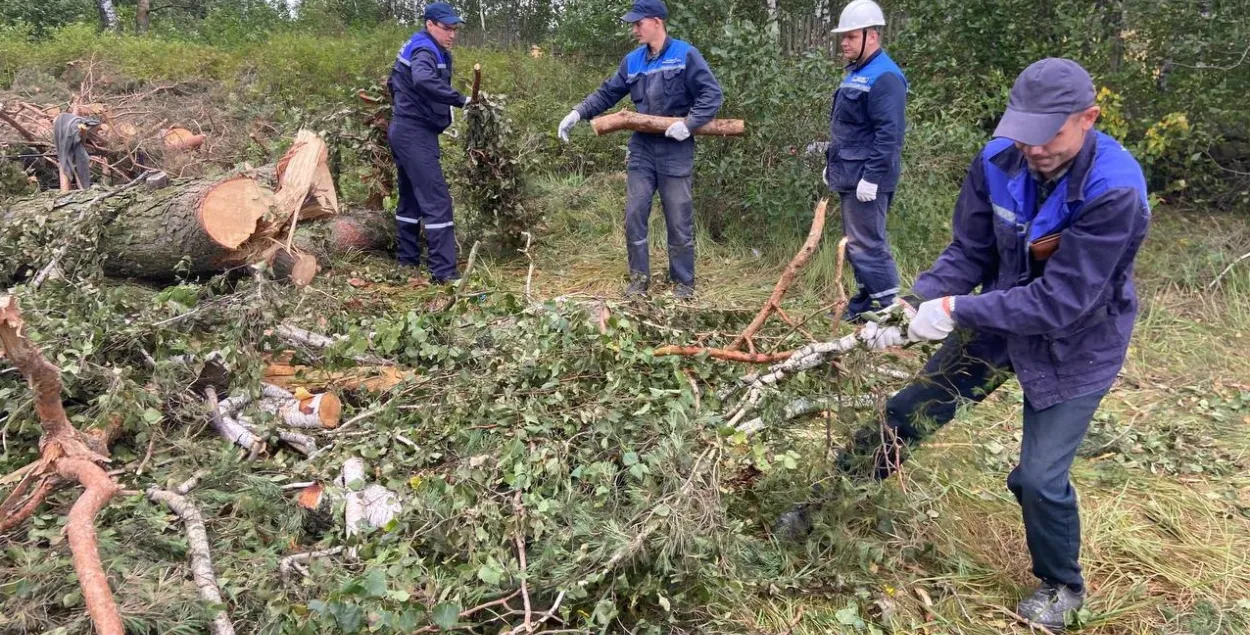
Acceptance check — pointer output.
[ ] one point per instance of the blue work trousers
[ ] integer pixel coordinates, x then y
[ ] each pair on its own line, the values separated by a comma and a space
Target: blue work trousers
959, 372
424, 199
868, 249
677, 198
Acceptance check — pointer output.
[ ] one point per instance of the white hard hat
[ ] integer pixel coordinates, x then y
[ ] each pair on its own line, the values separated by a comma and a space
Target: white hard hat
860, 14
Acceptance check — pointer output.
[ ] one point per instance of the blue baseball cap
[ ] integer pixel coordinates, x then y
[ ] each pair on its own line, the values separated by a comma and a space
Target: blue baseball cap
646, 9
442, 13
1043, 97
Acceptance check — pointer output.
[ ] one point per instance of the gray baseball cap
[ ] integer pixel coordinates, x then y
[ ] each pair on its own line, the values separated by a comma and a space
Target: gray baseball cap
1043, 97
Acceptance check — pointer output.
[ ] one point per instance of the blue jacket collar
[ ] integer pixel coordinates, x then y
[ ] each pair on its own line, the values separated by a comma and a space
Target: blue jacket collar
668, 41
1013, 163
855, 67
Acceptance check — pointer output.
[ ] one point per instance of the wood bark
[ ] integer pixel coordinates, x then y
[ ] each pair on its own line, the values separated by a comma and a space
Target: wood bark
202, 226
201, 556
800, 259
293, 265
108, 15
141, 16
628, 120
69, 453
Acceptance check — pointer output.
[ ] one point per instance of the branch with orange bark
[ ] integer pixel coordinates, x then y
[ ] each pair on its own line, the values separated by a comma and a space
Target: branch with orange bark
68, 454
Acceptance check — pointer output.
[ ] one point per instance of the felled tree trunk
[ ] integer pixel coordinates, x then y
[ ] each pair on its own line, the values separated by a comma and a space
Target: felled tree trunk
628, 120
195, 227
198, 227
357, 230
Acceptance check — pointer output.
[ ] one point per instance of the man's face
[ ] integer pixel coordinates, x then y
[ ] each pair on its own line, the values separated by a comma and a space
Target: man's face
444, 34
853, 42
1056, 153
648, 30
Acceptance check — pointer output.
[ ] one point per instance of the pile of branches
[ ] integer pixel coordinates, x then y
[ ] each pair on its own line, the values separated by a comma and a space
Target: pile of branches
491, 177
135, 133
536, 466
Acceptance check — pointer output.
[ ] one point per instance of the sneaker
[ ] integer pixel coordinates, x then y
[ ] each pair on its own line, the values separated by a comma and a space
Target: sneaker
638, 284
683, 292
1050, 605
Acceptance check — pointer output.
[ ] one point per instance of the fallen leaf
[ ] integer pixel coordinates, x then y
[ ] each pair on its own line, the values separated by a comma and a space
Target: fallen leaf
358, 283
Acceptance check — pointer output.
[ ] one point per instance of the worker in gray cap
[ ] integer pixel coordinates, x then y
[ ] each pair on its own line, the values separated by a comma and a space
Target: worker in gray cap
1047, 225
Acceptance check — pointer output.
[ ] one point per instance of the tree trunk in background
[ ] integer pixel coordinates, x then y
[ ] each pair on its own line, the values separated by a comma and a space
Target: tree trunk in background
108, 15
141, 16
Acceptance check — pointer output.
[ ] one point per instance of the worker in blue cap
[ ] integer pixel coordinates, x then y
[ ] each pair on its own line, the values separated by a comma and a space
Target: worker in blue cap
664, 77
423, 97
1047, 225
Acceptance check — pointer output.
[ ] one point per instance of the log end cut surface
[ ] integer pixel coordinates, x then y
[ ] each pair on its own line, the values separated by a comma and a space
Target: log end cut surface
230, 211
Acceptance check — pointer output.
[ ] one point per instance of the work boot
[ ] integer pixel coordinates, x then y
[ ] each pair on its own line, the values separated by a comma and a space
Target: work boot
683, 291
1050, 605
637, 287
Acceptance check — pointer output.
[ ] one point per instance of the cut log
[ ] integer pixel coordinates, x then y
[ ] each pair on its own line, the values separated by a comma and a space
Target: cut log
323, 411
293, 265
628, 120
201, 225
355, 231
368, 378
181, 140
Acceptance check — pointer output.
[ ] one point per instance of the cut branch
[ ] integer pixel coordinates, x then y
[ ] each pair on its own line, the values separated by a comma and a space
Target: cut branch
201, 556
787, 277
720, 353
69, 452
628, 120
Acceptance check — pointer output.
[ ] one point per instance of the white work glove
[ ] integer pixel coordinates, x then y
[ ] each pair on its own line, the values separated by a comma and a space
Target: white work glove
678, 131
866, 192
567, 124
933, 321
878, 337
468, 99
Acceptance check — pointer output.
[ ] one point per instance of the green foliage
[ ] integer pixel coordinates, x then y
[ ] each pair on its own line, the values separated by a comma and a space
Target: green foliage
491, 179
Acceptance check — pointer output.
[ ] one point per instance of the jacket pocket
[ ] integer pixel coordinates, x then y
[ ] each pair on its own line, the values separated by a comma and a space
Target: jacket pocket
1091, 343
636, 90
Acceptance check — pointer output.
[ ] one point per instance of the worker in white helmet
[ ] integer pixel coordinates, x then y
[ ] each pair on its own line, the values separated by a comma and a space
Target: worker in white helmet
864, 158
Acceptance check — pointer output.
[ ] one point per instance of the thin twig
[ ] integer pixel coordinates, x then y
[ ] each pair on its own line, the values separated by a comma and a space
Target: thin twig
1023, 620
1226, 270
519, 509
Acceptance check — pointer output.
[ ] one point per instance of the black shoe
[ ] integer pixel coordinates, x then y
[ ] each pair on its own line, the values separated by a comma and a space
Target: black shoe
1051, 605
683, 292
638, 284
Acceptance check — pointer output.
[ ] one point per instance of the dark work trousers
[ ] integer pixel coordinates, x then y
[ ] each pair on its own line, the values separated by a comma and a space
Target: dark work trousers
677, 198
424, 199
868, 249
960, 371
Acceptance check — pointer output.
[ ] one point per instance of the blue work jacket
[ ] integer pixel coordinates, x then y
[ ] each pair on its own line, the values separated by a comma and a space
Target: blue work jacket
420, 84
1063, 324
675, 83
867, 121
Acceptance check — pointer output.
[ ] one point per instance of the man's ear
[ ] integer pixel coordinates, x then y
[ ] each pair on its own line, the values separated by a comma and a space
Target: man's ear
1090, 117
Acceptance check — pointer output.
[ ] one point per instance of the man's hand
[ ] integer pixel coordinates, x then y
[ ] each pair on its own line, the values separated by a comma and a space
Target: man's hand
678, 131
468, 99
567, 124
866, 192
878, 337
933, 321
